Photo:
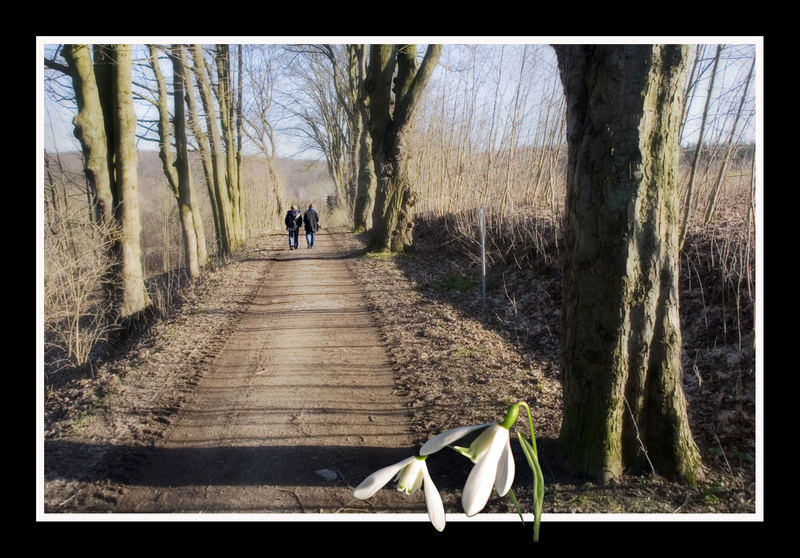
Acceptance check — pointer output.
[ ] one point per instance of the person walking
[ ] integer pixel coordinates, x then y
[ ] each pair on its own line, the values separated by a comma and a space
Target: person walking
293, 221
311, 224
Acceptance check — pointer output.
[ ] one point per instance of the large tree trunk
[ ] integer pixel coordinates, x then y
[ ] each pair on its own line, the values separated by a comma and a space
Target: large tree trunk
379, 88
185, 191
106, 128
226, 114
356, 72
176, 168
90, 131
218, 163
133, 294
365, 189
624, 408
203, 147
392, 221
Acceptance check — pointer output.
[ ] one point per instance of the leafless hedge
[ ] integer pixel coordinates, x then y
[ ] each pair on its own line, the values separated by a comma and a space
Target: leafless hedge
77, 316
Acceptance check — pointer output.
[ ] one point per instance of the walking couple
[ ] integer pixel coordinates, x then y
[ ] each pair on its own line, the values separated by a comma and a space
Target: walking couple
309, 220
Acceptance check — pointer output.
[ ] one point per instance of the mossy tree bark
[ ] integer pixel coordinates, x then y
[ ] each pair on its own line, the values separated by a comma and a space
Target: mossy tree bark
366, 182
217, 154
363, 161
133, 292
391, 120
358, 191
194, 241
227, 117
90, 130
106, 128
624, 407
176, 167
203, 148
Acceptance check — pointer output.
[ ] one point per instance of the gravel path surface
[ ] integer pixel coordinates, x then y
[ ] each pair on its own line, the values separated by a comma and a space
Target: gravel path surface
296, 409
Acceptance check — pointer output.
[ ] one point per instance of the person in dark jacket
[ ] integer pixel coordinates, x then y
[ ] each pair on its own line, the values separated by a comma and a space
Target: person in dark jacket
311, 224
293, 221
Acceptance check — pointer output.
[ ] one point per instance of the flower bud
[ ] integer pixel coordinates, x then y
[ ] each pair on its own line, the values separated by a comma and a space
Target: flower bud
511, 416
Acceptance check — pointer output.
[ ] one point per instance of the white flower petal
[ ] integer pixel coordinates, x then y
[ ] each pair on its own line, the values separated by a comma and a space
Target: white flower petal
482, 443
446, 438
479, 484
409, 479
379, 479
433, 501
505, 471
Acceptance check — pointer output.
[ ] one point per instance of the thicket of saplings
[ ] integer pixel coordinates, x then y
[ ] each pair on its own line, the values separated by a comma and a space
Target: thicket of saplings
522, 223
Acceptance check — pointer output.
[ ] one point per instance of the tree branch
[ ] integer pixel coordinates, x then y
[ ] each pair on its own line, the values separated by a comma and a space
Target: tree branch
53, 65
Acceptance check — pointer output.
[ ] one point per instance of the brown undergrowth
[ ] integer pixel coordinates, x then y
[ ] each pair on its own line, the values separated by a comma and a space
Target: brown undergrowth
462, 359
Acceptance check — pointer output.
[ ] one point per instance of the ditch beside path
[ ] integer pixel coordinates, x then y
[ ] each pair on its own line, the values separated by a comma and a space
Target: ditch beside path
294, 412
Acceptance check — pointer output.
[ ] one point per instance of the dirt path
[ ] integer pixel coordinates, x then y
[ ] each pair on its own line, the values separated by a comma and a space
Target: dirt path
296, 409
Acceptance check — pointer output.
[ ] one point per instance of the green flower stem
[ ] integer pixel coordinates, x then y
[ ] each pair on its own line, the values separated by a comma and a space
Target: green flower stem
516, 504
532, 456
530, 423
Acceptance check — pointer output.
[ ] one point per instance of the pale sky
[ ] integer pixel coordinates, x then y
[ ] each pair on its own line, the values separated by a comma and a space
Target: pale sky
57, 121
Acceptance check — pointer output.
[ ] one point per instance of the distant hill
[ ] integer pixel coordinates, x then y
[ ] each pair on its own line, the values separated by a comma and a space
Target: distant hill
302, 182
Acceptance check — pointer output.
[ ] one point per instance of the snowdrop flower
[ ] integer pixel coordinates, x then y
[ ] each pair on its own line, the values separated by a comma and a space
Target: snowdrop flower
410, 474
491, 454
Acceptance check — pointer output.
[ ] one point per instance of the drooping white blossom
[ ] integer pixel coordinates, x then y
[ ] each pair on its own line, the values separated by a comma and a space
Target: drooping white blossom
491, 454
411, 474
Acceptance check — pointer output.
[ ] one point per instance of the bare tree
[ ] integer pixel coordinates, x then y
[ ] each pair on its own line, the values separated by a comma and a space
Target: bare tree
730, 145
689, 202
176, 168
348, 64
228, 116
191, 218
322, 114
106, 128
90, 129
363, 164
133, 293
203, 148
257, 114
392, 111
78, 261
221, 195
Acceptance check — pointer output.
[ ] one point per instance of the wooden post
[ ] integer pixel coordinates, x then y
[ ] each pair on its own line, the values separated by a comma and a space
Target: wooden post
483, 255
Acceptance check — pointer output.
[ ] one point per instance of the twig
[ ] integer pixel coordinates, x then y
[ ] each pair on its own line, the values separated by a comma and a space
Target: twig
685, 500
728, 465
68, 499
293, 493
512, 300
638, 438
